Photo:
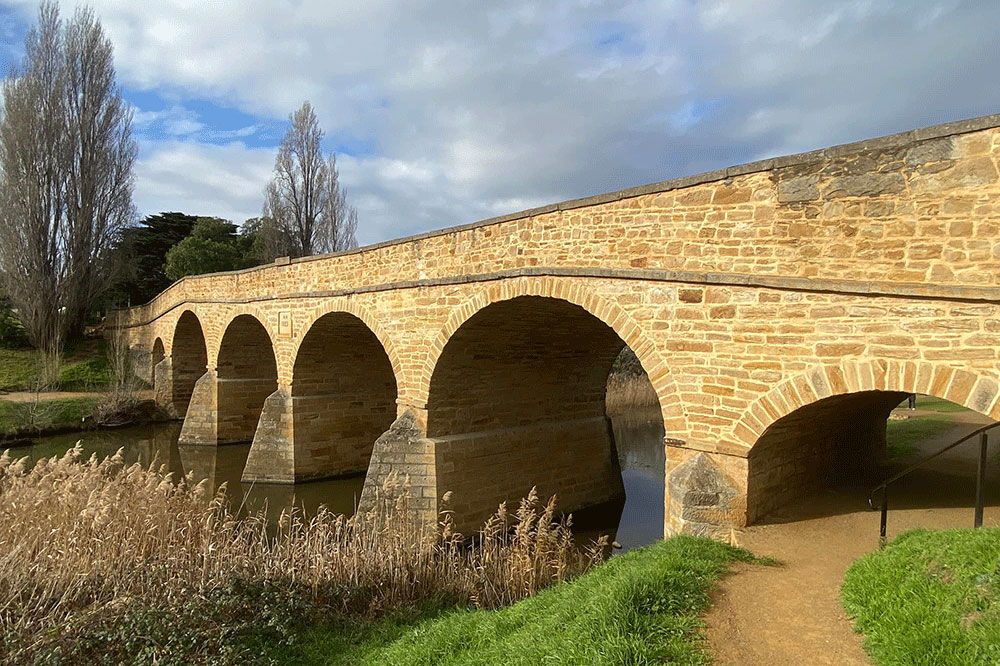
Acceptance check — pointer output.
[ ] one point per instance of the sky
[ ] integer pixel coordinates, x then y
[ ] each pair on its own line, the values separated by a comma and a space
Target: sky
448, 112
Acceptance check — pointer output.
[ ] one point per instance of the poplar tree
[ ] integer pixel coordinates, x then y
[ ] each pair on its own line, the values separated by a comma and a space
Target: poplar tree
304, 201
66, 175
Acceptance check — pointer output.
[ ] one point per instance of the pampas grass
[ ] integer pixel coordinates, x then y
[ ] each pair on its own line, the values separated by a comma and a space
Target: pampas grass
80, 540
631, 397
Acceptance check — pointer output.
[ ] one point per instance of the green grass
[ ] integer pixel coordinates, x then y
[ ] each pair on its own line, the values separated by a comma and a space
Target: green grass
930, 598
902, 437
18, 368
84, 368
643, 607
23, 418
938, 404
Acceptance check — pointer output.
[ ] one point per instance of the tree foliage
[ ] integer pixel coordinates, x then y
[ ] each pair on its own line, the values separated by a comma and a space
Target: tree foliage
304, 203
212, 246
146, 245
66, 175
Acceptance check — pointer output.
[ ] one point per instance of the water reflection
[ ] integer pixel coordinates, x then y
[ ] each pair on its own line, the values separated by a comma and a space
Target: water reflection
637, 522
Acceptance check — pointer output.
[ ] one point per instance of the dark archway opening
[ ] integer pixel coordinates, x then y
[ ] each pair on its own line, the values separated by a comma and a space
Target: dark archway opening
517, 399
247, 374
824, 458
156, 355
188, 360
343, 397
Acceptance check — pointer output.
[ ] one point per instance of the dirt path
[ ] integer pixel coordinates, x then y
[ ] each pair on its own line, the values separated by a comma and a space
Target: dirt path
791, 614
31, 396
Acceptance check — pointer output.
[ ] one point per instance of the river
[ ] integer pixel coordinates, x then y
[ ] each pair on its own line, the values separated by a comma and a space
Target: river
640, 451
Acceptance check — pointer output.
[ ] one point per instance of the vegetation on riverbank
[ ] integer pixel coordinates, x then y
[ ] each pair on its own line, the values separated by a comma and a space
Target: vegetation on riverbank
643, 607
42, 416
929, 598
84, 368
103, 563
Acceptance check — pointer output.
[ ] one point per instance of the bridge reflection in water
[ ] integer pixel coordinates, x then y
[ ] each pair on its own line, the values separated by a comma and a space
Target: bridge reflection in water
640, 452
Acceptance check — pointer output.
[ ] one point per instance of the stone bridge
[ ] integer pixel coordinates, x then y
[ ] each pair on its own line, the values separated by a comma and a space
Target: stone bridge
779, 308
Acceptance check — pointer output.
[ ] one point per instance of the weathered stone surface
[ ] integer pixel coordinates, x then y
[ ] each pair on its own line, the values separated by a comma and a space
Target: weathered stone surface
201, 419
701, 499
936, 150
272, 453
803, 188
403, 462
865, 185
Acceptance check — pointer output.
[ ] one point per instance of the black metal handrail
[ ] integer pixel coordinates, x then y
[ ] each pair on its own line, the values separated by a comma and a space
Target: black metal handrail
980, 477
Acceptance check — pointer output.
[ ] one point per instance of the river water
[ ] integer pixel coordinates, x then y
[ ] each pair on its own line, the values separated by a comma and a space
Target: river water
640, 451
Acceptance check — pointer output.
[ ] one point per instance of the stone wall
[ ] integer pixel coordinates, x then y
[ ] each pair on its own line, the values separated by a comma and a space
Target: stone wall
574, 460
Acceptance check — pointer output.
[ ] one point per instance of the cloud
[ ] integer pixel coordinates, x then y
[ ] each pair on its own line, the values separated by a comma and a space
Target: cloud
202, 179
446, 115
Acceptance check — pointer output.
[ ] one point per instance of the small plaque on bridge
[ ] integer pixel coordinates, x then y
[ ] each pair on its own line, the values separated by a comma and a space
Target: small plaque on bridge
285, 324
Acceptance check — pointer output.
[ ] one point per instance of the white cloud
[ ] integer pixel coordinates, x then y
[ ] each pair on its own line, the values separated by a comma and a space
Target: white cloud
202, 179
468, 111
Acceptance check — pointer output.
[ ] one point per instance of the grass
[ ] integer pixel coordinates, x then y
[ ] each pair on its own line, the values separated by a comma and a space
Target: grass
84, 368
929, 598
933, 404
19, 418
643, 607
902, 437
102, 563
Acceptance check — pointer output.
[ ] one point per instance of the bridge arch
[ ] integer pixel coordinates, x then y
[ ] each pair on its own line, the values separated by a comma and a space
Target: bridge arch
516, 398
829, 424
157, 353
343, 395
602, 309
247, 373
364, 315
188, 359
979, 393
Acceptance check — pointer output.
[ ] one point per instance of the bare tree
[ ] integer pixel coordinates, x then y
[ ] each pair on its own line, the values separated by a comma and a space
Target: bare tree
304, 200
66, 160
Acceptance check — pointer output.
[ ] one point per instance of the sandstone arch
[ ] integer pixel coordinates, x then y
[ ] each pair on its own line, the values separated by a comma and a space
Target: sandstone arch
157, 354
247, 373
517, 399
188, 360
343, 396
365, 316
829, 425
600, 308
978, 392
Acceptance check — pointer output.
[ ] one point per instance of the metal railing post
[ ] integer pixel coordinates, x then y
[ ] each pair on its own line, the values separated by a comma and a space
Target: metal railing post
885, 515
984, 441
980, 477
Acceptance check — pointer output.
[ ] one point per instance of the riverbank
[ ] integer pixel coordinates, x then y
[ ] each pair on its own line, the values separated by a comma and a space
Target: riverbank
132, 569
83, 367
77, 393
643, 607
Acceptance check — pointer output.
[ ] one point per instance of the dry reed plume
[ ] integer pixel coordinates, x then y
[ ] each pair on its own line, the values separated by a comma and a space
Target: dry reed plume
81, 540
631, 395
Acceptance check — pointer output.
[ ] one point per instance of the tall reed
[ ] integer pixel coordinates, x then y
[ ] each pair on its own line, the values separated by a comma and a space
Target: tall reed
81, 540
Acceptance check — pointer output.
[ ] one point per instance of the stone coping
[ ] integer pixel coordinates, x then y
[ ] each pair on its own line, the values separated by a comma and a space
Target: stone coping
918, 291
879, 143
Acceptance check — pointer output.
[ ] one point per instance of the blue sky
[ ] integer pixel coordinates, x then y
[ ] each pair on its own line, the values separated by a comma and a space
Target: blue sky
445, 113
